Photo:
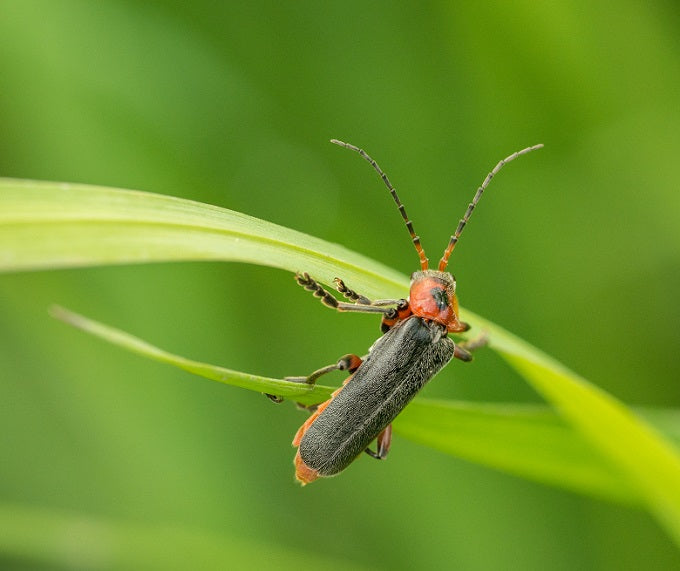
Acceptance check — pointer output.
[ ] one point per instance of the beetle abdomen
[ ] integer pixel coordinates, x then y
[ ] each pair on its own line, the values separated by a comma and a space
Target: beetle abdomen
398, 366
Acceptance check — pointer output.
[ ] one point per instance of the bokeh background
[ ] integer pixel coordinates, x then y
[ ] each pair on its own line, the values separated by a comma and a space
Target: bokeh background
575, 248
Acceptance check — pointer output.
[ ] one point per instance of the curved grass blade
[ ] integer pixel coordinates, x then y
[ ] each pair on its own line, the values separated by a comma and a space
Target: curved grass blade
530, 441
642, 453
526, 440
299, 392
648, 459
46, 225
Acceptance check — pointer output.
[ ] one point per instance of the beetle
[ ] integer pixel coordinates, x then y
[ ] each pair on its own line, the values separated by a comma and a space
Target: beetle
413, 348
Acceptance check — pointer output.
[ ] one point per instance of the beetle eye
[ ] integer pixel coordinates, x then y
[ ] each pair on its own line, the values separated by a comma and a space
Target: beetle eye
440, 298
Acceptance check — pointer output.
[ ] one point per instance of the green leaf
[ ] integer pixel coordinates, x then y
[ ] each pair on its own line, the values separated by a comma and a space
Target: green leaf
525, 440
300, 392
645, 457
50, 225
46, 225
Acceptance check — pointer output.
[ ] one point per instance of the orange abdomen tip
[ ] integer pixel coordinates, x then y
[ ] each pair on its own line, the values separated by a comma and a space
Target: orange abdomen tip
303, 472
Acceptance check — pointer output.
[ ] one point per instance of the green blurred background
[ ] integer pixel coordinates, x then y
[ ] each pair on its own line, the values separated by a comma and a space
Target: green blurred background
575, 248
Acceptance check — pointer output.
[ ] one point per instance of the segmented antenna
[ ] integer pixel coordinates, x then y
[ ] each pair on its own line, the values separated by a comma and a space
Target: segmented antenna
393, 192
463, 221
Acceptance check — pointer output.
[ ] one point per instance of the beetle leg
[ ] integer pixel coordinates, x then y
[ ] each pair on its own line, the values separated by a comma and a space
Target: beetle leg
463, 351
310, 380
362, 299
396, 314
363, 304
383, 441
480, 341
349, 362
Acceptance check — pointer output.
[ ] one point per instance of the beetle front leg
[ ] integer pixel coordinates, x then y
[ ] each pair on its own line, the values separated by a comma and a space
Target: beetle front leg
362, 305
384, 441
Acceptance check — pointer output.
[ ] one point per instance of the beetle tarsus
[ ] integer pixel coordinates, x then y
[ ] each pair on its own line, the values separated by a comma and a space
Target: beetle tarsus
350, 293
307, 282
383, 441
279, 399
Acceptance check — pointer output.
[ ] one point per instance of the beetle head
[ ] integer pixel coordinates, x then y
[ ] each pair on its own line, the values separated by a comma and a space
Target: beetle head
433, 296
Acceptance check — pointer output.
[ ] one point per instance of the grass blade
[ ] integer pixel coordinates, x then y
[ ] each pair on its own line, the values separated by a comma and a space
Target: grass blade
297, 391
46, 225
642, 453
530, 441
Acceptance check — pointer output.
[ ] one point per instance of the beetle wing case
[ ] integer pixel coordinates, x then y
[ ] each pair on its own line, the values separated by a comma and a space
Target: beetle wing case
397, 367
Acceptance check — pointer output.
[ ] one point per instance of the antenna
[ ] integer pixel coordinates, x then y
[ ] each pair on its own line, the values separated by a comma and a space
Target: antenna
393, 192
463, 221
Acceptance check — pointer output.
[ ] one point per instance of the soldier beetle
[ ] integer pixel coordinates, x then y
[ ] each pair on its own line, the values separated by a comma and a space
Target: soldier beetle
413, 348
